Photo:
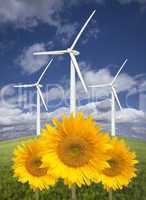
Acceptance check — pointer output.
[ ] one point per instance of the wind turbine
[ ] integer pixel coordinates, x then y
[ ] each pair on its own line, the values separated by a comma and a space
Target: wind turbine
37, 86
73, 65
114, 98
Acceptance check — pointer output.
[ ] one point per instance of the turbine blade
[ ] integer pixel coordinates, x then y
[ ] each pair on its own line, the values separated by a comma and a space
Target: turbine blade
74, 61
50, 53
41, 95
116, 97
24, 86
45, 71
119, 71
98, 86
82, 29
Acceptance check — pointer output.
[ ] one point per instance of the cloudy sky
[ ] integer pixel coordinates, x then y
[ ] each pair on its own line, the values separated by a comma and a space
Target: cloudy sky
116, 32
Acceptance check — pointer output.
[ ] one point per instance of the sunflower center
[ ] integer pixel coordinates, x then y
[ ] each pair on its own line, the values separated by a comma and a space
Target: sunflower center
114, 169
33, 166
74, 151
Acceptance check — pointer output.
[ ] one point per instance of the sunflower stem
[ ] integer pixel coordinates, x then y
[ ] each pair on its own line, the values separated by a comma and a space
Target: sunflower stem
110, 194
37, 194
73, 192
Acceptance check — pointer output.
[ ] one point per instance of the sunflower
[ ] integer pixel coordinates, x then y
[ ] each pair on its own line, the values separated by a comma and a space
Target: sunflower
27, 166
122, 166
75, 149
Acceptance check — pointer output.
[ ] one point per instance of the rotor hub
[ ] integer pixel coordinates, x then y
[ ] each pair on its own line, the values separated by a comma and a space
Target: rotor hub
69, 50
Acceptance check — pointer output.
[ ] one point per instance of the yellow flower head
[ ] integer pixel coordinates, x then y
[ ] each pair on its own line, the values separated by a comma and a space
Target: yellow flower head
27, 166
122, 166
75, 149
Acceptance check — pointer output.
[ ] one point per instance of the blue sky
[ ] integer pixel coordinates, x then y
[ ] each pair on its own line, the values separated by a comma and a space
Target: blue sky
116, 32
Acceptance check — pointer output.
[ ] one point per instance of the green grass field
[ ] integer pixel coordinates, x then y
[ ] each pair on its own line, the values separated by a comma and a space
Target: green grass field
10, 189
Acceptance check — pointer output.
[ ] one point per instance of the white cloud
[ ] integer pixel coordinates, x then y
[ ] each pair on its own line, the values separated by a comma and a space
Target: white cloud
15, 122
142, 86
98, 77
124, 82
55, 93
92, 32
30, 63
130, 115
14, 116
27, 13
66, 31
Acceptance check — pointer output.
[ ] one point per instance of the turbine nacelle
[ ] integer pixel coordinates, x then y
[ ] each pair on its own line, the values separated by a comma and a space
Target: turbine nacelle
74, 52
38, 85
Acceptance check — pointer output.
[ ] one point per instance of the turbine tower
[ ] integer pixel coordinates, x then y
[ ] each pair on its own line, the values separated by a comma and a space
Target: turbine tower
114, 98
37, 86
74, 67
